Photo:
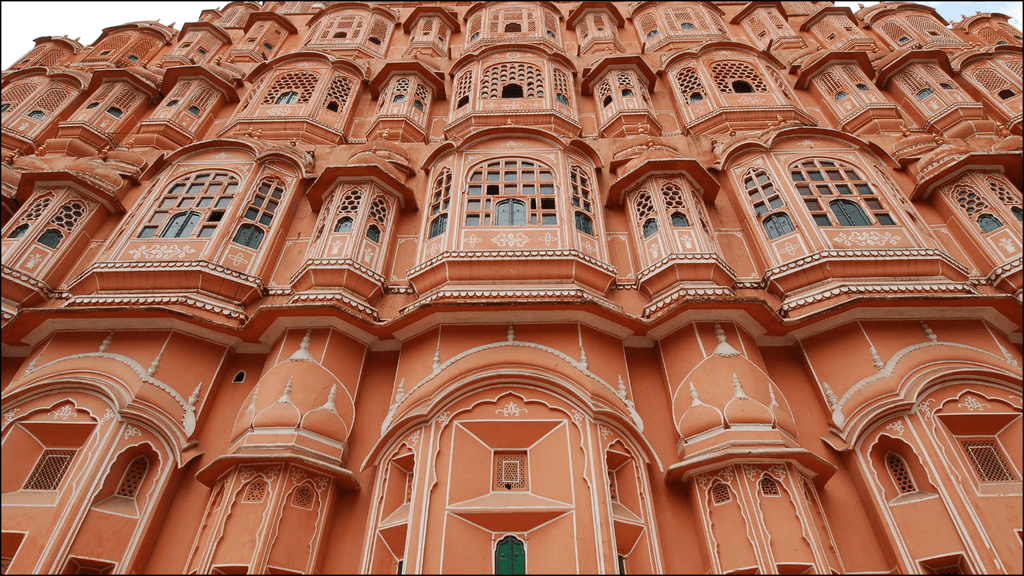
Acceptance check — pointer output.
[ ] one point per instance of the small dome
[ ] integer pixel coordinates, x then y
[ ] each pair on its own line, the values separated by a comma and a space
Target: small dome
655, 152
308, 387
325, 420
31, 164
1010, 144
942, 154
97, 170
10, 178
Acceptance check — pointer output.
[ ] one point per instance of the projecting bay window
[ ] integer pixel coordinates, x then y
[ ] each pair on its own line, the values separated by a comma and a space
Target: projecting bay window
192, 207
836, 194
511, 193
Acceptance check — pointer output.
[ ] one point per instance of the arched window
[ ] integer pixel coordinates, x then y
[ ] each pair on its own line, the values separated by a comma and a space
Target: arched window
440, 201
899, 473
737, 78
510, 556
769, 487
761, 191
529, 182
303, 498
344, 224
37, 114
528, 81
690, 87
249, 235
778, 225
924, 93
988, 223
50, 238
373, 232
19, 232
679, 220
207, 194
582, 193
720, 494
650, 227
338, 94
133, 477
292, 88
256, 491
115, 112
584, 223
819, 181
287, 98
1017, 212
675, 205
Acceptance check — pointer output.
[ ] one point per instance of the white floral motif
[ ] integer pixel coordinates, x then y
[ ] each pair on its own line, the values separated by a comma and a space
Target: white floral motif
33, 260
687, 241
108, 414
415, 437
547, 238
972, 404
789, 248
335, 247
131, 431
10, 415
367, 254
779, 471
245, 472
807, 143
272, 472
655, 250
867, 238
1007, 245
605, 431
751, 472
158, 252
64, 412
590, 248
443, 417
298, 475
925, 408
238, 258
577, 416
321, 483
473, 240
506, 239
703, 480
434, 249
896, 427
748, 100
511, 409
726, 474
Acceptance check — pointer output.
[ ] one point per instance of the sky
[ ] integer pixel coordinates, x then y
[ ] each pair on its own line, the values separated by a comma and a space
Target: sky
85, 20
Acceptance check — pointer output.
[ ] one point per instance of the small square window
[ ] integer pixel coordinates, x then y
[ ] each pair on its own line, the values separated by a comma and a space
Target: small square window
510, 471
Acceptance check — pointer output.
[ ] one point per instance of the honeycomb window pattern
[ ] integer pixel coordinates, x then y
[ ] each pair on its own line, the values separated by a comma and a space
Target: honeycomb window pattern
15, 95
338, 94
256, 491
302, 498
510, 471
1003, 193
988, 461
643, 206
737, 77
207, 193
769, 487
68, 215
675, 205
690, 87
133, 477
37, 209
970, 201
379, 210
301, 83
49, 470
529, 79
350, 202
900, 475
720, 494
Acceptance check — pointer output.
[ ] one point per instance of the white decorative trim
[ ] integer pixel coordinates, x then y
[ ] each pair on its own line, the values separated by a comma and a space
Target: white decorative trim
511, 409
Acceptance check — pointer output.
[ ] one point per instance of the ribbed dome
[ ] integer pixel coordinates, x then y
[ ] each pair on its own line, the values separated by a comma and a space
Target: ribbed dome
97, 170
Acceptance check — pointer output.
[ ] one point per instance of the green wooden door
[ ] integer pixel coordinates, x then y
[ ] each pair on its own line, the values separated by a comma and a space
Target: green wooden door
510, 556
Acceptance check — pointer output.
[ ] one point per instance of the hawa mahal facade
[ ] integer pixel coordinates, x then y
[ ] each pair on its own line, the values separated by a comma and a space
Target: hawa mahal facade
514, 287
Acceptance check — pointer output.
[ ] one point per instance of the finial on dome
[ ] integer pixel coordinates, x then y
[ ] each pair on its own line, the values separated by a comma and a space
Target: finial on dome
302, 354
621, 392
510, 334
771, 392
106, 342
331, 397
739, 388
723, 348
583, 358
286, 397
252, 405
248, 133
195, 395
437, 358
693, 395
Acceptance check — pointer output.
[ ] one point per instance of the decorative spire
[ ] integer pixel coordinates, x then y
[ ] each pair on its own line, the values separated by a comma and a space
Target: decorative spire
583, 359
693, 395
302, 354
437, 358
156, 364
510, 334
195, 395
775, 402
723, 348
252, 405
876, 359
106, 343
400, 393
834, 404
32, 365
621, 392
740, 394
329, 405
286, 397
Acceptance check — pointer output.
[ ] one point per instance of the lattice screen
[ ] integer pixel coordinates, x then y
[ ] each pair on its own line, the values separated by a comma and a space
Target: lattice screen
1016, 67
989, 79
509, 471
379, 210
988, 461
769, 487
15, 95
50, 470
643, 205
896, 32
720, 493
255, 492
688, 82
527, 76
1003, 193
725, 73
350, 203
969, 200
303, 498
68, 215
338, 92
911, 81
133, 477
900, 474
990, 35
302, 83
829, 84
562, 85
37, 210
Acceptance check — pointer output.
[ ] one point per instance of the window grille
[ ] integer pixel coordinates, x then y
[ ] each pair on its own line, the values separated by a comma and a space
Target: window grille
929, 26
824, 181
989, 79
204, 194
550, 25
583, 30
350, 203
728, 75
720, 494
988, 461
562, 86
581, 189
1016, 67
511, 193
338, 94
378, 210
303, 498
1002, 192
302, 83
970, 201
761, 192
643, 205
107, 47
758, 28
988, 223
780, 83
896, 32
15, 95
473, 30
137, 51
648, 26
261, 211
255, 491
690, 86
900, 474
939, 77
465, 87
49, 470
990, 35
133, 477
778, 225
37, 209
510, 471
52, 99
421, 97
440, 201
829, 84
68, 215
769, 487
529, 78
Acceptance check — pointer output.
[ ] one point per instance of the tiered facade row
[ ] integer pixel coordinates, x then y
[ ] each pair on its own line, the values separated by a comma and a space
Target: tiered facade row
512, 287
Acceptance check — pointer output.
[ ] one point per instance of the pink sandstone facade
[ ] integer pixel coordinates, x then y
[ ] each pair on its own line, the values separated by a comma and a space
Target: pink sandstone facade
515, 287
